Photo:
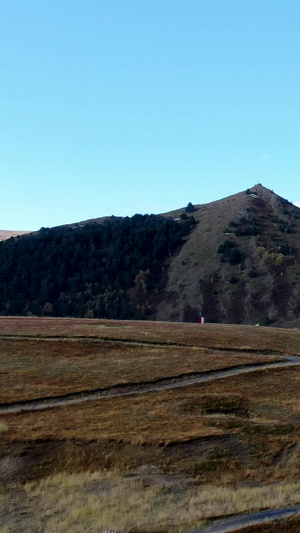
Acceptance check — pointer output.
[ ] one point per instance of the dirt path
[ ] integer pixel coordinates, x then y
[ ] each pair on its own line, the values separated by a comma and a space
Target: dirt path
237, 523
140, 388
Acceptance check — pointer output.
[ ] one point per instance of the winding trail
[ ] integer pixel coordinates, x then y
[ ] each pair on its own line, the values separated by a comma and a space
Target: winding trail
239, 522
131, 389
231, 524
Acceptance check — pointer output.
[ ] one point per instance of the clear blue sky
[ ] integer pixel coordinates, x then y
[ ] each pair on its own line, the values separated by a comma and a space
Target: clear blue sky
125, 106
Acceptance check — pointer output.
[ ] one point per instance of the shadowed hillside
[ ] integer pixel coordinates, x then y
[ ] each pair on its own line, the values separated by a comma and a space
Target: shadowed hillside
87, 270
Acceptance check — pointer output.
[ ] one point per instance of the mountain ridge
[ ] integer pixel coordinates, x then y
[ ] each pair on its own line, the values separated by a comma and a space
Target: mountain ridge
7, 234
237, 261
264, 229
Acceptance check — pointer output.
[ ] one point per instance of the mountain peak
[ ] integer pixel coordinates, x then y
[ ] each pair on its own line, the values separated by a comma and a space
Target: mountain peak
237, 261
240, 264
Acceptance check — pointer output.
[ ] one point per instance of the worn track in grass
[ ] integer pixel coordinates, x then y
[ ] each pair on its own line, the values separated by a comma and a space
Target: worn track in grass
240, 522
182, 380
134, 342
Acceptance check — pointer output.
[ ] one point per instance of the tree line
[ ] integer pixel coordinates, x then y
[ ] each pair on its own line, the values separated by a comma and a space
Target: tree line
86, 271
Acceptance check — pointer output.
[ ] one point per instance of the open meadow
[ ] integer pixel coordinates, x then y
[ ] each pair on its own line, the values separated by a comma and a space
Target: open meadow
168, 442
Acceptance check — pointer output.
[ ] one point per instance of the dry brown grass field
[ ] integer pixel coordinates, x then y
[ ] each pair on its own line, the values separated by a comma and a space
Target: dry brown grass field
32, 368
156, 461
291, 525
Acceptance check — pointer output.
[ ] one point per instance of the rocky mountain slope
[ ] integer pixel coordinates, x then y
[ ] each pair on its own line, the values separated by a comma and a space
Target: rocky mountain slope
241, 263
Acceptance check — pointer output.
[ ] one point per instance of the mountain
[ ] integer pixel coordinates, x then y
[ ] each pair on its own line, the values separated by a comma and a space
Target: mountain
241, 263
236, 260
7, 234
88, 269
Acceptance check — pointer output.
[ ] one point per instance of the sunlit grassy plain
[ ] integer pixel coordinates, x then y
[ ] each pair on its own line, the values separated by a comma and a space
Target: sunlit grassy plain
157, 461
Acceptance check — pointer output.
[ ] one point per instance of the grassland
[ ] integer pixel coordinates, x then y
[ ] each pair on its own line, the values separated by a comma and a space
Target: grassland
223, 336
160, 461
90, 501
33, 368
291, 525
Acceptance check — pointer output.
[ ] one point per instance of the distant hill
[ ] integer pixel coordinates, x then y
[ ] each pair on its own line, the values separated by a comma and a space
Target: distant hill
236, 260
6, 234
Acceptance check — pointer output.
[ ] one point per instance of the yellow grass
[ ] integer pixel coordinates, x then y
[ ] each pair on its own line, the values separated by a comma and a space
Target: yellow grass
98, 501
3, 426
